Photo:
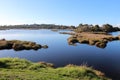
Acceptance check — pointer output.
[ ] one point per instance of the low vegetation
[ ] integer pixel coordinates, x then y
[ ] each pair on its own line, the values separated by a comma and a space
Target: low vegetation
20, 45
70, 33
20, 69
93, 35
36, 26
98, 39
96, 28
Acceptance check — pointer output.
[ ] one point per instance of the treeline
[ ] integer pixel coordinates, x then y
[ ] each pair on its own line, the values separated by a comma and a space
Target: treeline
37, 26
96, 28
79, 28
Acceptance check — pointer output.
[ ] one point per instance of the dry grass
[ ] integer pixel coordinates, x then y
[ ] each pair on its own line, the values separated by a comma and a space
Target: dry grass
20, 45
92, 36
100, 40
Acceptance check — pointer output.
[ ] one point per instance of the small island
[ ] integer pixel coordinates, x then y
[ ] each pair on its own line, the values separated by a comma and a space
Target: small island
100, 40
20, 45
93, 35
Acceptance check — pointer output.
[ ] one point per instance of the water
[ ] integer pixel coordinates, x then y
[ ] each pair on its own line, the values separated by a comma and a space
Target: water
115, 33
61, 54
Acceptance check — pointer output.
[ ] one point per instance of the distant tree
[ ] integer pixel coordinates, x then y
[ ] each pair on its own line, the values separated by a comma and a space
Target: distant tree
80, 25
116, 29
83, 28
107, 28
72, 27
95, 28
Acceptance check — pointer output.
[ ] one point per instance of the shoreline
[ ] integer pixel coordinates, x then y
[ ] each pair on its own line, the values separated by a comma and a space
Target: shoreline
14, 68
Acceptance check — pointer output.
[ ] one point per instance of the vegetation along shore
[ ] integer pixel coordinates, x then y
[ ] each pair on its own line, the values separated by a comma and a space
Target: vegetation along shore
14, 68
20, 69
100, 40
93, 35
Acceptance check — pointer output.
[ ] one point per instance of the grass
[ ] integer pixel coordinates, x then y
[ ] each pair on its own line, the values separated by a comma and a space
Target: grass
20, 69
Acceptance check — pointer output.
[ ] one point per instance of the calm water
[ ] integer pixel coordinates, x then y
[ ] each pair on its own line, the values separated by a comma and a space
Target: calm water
61, 54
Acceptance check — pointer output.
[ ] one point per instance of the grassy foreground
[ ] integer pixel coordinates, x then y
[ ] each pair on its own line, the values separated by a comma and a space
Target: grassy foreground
20, 69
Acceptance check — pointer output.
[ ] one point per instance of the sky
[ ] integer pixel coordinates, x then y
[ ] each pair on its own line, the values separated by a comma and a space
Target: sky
63, 12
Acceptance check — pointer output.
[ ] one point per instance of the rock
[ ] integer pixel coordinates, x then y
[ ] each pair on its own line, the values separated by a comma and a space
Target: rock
115, 38
27, 47
36, 47
84, 41
118, 37
18, 47
110, 38
92, 42
5, 45
44, 46
72, 40
32, 43
100, 44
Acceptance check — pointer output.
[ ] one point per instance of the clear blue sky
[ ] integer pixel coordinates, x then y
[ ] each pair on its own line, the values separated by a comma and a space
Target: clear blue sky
65, 12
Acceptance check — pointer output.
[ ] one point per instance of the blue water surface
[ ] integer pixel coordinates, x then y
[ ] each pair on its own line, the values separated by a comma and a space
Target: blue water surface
60, 53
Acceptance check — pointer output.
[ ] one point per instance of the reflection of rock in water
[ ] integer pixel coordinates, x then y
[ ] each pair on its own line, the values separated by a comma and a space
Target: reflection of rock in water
73, 44
101, 45
44, 46
100, 40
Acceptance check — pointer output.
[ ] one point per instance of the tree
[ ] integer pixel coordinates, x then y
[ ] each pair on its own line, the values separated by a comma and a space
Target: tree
72, 27
80, 25
107, 28
95, 28
116, 29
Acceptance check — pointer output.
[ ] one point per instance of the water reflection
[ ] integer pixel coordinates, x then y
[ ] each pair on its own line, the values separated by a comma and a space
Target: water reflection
102, 45
61, 54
